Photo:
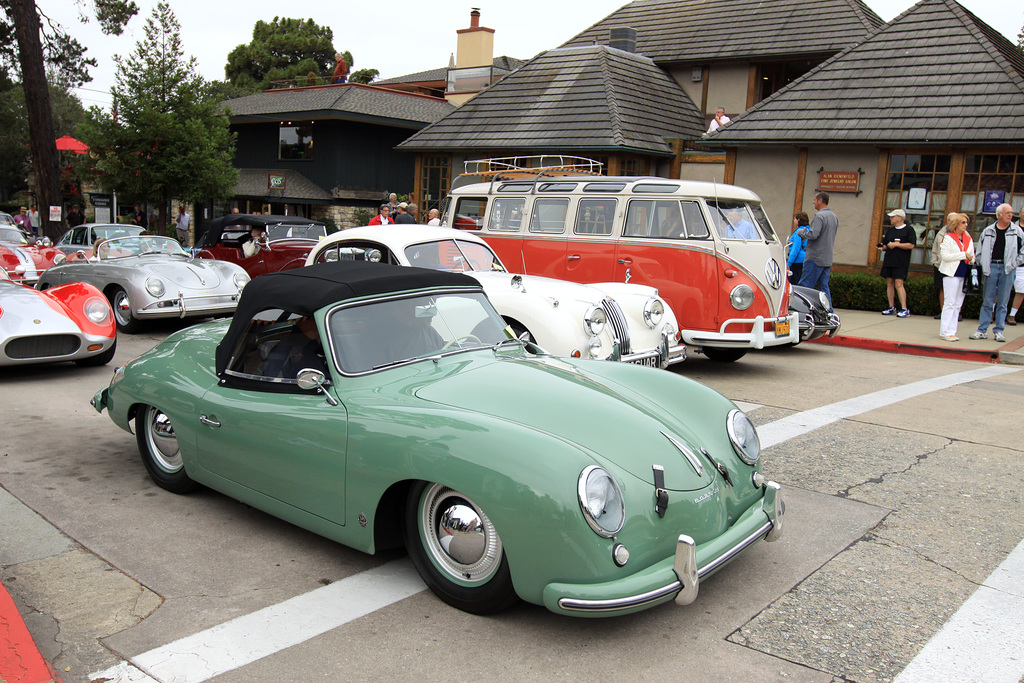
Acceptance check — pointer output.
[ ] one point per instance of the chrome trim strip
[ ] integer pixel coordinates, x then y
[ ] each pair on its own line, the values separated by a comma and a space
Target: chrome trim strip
616, 604
736, 549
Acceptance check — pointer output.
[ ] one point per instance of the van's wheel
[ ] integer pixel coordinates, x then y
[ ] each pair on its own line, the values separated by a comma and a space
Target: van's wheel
720, 355
456, 550
158, 446
122, 307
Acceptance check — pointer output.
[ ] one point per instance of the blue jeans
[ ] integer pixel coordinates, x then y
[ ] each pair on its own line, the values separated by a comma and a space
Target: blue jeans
997, 294
817, 277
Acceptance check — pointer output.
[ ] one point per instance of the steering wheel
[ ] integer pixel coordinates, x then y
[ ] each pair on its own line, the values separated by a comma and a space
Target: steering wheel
462, 341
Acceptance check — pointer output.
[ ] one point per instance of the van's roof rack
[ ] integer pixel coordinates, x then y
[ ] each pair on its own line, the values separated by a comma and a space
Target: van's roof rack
531, 168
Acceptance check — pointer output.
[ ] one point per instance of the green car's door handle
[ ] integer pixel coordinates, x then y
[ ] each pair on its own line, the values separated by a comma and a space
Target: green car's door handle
208, 421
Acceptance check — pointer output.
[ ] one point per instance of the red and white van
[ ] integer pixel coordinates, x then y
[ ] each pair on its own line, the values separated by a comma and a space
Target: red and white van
708, 248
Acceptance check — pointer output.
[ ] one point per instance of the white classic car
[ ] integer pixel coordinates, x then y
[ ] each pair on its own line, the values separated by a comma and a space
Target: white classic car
604, 321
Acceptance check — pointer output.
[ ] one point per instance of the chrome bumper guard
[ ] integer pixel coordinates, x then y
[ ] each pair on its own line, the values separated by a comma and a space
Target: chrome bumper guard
755, 339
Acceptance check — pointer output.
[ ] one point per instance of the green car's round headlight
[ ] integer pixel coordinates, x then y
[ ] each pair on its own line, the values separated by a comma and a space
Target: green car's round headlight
595, 319
155, 286
743, 435
654, 311
601, 501
240, 280
742, 297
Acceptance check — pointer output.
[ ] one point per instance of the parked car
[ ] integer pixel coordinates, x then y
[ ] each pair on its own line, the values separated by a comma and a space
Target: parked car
146, 276
609, 321
69, 323
84, 237
23, 258
812, 307
287, 240
411, 415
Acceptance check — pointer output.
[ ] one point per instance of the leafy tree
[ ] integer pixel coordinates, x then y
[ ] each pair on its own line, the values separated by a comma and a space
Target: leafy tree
165, 138
36, 48
1020, 40
283, 49
363, 76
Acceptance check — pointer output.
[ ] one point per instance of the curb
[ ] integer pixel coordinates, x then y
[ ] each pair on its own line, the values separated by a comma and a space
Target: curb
20, 661
908, 348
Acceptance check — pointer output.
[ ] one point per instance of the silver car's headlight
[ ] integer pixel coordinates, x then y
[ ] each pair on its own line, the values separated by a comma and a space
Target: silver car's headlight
595, 319
823, 300
155, 286
97, 310
654, 311
240, 280
743, 436
594, 346
601, 501
742, 297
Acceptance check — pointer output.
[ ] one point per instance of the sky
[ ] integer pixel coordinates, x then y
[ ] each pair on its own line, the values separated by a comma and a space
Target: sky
396, 37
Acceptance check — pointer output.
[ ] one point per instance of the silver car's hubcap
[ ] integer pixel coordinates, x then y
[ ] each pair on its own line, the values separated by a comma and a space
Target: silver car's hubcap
163, 444
461, 540
122, 308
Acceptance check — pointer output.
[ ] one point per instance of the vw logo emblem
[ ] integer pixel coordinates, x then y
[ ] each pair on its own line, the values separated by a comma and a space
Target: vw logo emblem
773, 273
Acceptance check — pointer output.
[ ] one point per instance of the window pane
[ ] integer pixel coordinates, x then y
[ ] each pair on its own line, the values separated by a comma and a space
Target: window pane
594, 216
469, 213
506, 215
549, 215
296, 142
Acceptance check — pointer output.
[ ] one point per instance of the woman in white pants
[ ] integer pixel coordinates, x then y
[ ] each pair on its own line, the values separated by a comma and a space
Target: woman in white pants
955, 253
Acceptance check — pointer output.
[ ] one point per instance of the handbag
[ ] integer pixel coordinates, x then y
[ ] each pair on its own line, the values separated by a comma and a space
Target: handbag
974, 279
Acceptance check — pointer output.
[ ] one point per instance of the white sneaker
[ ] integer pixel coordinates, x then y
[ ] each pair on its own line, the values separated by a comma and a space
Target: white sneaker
979, 335
999, 337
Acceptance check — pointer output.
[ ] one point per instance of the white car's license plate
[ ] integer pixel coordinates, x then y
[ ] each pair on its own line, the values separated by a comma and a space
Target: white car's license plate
649, 361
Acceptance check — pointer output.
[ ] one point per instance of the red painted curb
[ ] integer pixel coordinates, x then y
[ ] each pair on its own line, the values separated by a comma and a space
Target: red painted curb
911, 349
20, 661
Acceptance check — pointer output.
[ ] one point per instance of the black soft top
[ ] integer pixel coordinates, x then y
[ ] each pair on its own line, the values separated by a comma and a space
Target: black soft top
246, 221
303, 291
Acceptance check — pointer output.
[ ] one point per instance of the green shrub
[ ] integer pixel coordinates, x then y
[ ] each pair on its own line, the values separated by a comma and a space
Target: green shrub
363, 216
866, 292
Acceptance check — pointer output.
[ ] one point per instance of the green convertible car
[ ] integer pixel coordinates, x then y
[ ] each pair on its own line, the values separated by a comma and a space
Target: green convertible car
379, 405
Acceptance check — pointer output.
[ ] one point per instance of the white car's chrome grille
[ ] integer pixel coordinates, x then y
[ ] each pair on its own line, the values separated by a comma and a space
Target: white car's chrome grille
618, 321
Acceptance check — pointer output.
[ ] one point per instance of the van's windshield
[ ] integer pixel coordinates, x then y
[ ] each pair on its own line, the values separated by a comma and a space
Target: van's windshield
735, 220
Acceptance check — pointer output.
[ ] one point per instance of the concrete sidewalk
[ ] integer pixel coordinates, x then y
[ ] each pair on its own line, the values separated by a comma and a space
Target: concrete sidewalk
919, 335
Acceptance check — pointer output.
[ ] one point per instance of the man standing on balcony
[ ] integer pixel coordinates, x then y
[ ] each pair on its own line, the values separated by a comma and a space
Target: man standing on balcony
821, 240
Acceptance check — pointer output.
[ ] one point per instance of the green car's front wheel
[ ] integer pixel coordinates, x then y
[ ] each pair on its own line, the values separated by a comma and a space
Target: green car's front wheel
456, 550
158, 446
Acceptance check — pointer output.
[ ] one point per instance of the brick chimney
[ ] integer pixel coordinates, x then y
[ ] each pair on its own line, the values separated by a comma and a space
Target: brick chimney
475, 44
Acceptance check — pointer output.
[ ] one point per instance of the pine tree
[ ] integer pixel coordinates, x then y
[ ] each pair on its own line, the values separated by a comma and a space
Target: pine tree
164, 138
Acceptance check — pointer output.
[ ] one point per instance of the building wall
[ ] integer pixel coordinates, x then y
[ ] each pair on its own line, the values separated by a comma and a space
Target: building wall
726, 86
771, 172
710, 172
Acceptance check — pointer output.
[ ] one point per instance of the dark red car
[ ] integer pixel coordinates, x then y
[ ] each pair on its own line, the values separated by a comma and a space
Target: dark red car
287, 241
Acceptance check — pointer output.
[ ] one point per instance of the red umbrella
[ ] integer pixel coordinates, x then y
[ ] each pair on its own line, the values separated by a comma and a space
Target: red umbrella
69, 144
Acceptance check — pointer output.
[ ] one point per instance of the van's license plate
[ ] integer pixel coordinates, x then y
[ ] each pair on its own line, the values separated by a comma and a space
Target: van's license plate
782, 328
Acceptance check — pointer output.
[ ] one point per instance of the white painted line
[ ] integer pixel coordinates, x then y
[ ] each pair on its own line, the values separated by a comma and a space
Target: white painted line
801, 423
251, 637
984, 641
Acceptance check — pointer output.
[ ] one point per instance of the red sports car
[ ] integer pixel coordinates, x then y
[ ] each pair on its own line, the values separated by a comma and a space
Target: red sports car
282, 242
23, 260
71, 322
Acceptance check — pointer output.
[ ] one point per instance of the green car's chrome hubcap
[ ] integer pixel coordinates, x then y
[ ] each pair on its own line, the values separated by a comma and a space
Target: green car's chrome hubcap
460, 539
163, 444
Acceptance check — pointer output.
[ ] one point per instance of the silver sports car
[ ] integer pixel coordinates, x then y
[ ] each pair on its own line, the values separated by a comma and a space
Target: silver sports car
146, 276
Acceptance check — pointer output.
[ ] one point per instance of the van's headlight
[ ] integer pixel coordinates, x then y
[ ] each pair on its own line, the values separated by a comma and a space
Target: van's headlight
601, 501
654, 311
595, 319
743, 435
155, 287
742, 297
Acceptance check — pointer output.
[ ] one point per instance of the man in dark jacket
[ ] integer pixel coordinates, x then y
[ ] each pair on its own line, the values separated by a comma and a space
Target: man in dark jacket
821, 239
1000, 250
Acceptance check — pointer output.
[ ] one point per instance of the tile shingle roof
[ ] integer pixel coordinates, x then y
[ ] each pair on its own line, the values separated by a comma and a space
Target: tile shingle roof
701, 31
934, 74
587, 98
434, 75
252, 182
351, 101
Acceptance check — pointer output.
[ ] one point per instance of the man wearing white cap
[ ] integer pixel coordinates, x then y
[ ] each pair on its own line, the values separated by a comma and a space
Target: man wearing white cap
896, 246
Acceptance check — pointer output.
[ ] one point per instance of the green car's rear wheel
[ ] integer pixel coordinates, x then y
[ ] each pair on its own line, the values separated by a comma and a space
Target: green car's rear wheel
158, 446
457, 550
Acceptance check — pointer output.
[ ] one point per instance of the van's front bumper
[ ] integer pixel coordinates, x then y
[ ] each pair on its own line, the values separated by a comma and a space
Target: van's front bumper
754, 338
676, 577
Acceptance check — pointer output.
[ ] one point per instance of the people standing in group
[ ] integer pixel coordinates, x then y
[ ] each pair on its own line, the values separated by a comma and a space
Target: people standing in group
896, 245
797, 248
956, 253
937, 276
720, 120
393, 203
403, 214
181, 224
1000, 250
340, 68
383, 216
414, 211
821, 240
75, 217
433, 217
1018, 283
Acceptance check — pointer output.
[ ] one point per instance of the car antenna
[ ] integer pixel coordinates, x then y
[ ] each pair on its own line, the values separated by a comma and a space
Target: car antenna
522, 255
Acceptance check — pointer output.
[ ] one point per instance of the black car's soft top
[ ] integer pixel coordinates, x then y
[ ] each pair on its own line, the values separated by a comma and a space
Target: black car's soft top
246, 220
305, 290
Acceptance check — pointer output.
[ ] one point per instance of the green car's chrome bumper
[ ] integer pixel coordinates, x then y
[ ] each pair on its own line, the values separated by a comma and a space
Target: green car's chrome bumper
675, 577
99, 401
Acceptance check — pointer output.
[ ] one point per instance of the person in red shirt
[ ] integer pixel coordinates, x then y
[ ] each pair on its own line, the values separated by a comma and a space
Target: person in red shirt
383, 217
340, 68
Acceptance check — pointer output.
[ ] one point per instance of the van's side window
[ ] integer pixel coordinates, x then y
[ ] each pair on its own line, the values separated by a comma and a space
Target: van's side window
549, 215
659, 219
469, 213
594, 216
696, 226
506, 215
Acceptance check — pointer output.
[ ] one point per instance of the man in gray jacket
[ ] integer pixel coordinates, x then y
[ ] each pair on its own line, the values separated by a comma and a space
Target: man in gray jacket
1000, 250
821, 239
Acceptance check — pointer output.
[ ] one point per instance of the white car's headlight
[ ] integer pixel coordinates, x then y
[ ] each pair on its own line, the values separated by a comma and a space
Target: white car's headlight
155, 286
654, 311
743, 436
97, 310
601, 501
594, 347
595, 319
742, 297
240, 280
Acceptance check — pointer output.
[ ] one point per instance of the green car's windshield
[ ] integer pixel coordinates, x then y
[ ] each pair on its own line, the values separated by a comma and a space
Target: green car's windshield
387, 332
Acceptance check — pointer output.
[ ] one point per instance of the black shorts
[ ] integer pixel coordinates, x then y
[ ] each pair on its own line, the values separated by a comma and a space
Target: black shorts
895, 272
937, 278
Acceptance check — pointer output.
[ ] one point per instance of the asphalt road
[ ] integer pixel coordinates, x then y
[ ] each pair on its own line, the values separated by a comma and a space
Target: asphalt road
896, 512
